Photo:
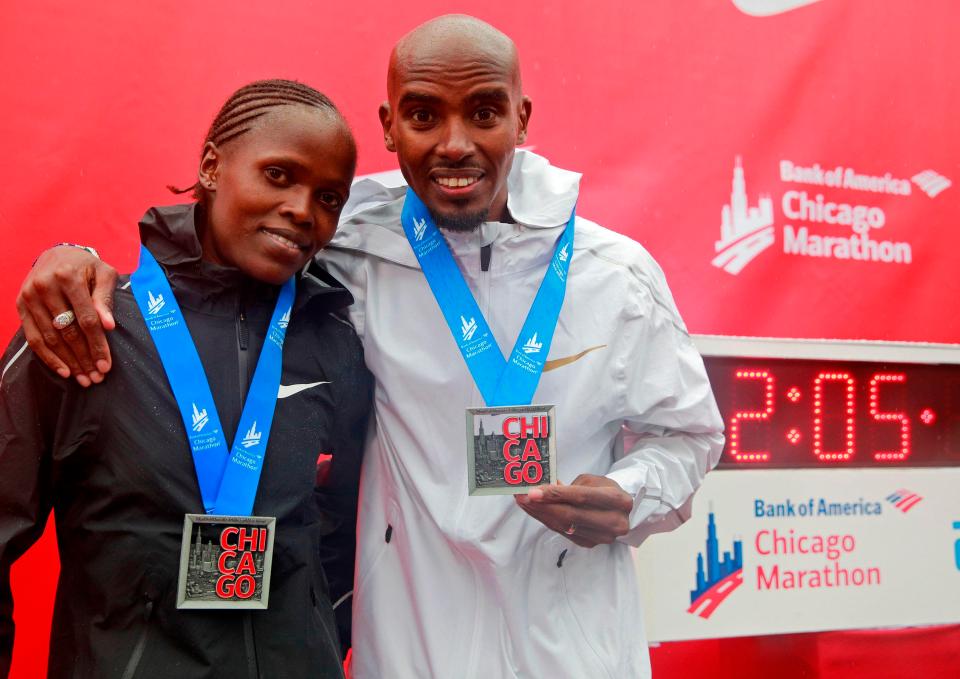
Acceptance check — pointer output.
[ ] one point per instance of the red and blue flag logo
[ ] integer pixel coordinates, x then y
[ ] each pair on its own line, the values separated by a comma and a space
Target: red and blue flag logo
904, 499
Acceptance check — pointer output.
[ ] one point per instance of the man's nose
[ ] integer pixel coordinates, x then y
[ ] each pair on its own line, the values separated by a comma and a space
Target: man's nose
456, 142
297, 204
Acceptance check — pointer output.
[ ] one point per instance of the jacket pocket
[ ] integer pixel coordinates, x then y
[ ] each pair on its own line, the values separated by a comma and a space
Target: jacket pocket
136, 655
385, 536
557, 600
325, 621
576, 573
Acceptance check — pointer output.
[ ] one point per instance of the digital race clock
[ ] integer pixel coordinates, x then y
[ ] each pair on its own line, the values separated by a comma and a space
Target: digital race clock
835, 404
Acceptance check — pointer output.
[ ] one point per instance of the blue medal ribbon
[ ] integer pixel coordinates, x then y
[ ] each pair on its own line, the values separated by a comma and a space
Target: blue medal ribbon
511, 381
228, 478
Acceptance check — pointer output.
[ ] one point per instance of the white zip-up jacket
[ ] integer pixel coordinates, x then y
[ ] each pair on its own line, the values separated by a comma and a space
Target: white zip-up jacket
456, 587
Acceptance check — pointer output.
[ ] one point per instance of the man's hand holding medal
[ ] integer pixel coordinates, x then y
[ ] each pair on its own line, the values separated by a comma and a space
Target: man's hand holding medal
591, 511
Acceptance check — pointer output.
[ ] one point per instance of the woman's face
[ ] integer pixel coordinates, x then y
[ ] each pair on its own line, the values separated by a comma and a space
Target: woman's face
275, 193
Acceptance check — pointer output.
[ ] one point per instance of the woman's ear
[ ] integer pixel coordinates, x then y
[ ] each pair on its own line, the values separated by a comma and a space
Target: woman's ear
209, 167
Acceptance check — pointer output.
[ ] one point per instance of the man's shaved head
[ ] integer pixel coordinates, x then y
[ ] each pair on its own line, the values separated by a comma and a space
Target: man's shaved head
454, 115
454, 35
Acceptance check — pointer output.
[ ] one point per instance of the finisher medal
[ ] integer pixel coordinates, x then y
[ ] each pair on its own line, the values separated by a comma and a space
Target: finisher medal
225, 561
510, 449
225, 554
511, 446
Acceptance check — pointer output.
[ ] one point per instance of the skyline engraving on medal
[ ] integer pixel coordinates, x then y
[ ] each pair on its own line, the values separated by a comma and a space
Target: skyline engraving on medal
225, 561
510, 449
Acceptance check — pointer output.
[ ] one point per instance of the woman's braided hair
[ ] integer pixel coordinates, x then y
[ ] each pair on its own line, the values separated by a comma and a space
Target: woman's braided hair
248, 103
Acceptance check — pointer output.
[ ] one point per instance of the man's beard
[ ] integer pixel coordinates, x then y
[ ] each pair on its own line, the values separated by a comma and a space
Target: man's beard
460, 222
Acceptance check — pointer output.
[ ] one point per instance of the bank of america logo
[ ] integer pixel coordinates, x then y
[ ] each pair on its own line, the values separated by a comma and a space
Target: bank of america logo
564, 253
745, 231
716, 578
199, 418
154, 304
285, 320
532, 346
904, 499
419, 228
467, 328
931, 183
252, 437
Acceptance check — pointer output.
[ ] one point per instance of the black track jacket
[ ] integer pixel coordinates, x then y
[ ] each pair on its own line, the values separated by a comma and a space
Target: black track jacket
113, 463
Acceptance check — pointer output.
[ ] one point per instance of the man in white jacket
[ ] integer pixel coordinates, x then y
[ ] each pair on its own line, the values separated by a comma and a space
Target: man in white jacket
456, 586
543, 585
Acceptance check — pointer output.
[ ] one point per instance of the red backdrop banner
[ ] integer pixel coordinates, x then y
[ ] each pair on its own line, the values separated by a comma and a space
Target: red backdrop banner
792, 165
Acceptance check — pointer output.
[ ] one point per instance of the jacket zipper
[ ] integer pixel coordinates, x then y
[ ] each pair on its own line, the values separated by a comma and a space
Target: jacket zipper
253, 664
137, 654
486, 252
484, 289
243, 343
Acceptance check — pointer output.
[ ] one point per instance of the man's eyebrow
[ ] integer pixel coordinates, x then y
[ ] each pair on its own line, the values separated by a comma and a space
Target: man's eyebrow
418, 98
497, 94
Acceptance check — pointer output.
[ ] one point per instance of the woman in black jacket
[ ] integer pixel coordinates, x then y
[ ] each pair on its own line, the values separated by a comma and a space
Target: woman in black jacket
114, 464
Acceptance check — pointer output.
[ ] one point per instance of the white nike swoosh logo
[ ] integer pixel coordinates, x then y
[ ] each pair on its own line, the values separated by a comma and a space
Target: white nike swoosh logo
286, 390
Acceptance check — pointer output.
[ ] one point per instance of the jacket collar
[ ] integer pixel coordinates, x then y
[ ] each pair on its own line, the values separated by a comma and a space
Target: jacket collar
539, 196
170, 233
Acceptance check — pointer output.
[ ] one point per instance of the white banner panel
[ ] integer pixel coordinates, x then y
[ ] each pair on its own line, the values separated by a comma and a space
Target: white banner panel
783, 551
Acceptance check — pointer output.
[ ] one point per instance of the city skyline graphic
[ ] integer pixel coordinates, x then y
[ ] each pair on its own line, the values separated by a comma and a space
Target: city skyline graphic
488, 455
203, 570
716, 578
745, 231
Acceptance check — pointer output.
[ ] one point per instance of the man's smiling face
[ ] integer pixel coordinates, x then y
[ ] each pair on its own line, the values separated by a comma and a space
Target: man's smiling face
454, 117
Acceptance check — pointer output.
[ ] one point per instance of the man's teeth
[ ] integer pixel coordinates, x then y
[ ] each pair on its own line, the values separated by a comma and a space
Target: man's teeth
286, 242
455, 182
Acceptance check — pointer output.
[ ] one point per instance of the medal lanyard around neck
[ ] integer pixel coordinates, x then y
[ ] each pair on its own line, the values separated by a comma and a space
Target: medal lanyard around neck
228, 478
501, 381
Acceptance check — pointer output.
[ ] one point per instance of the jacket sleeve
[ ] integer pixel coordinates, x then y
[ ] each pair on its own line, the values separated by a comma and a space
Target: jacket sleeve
672, 432
30, 399
348, 268
338, 493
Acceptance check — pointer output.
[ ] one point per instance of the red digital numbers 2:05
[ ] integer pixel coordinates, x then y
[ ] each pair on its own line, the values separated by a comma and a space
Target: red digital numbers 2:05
802, 413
